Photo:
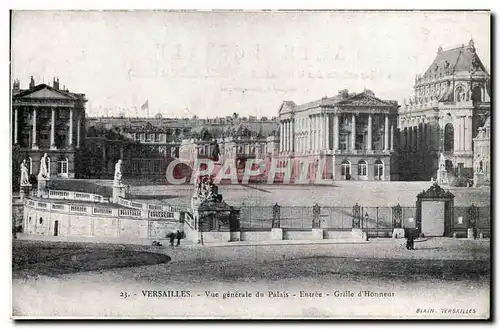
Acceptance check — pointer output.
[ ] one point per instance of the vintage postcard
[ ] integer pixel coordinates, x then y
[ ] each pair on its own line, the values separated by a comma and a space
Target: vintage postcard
251, 164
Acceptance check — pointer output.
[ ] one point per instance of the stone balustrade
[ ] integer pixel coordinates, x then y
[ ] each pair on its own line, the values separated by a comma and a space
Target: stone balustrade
163, 212
77, 196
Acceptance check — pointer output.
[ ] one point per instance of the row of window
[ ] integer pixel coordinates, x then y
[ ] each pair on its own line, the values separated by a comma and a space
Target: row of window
362, 168
62, 166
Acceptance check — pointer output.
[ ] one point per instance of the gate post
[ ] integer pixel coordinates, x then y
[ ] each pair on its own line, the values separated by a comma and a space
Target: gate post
316, 223
276, 231
472, 217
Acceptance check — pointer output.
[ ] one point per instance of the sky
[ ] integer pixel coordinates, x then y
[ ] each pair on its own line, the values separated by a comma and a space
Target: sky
216, 63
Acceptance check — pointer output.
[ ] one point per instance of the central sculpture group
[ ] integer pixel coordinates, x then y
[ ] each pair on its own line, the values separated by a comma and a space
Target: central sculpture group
206, 190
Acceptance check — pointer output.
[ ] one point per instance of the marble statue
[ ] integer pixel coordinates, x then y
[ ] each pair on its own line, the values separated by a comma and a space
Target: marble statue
43, 174
442, 174
118, 173
25, 181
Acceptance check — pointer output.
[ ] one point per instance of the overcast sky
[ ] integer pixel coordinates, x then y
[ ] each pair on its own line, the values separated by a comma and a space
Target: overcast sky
214, 64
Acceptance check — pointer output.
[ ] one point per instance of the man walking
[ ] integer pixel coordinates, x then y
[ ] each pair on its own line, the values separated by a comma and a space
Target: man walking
178, 235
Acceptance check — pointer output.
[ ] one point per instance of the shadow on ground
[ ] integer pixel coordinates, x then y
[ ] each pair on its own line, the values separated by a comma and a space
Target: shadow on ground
56, 258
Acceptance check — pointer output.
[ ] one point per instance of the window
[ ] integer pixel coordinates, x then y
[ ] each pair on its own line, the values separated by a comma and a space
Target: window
29, 220
48, 165
345, 169
379, 170
62, 167
29, 163
448, 137
343, 142
40, 220
362, 166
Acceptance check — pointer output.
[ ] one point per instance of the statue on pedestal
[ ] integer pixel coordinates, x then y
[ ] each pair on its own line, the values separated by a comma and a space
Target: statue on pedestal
118, 174
44, 173
206, 190
25, 180
442, 174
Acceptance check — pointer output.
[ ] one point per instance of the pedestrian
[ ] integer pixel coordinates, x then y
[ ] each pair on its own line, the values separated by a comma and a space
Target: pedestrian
178, 235
410, 239
171, 236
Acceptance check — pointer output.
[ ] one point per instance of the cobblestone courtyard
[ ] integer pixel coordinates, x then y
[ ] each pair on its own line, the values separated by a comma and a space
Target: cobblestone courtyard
440, 273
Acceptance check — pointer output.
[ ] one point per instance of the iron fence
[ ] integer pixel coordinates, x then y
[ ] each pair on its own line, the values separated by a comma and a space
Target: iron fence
376, 221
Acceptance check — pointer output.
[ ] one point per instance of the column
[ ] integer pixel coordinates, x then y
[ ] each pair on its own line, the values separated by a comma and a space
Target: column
287, 136
321, 132
78, 123
336, 132
34, 144
392, 137
70, 133
318, 132
456, 135
15, 125
369, 145
104, 164
292, 133
328, 121
463, 133
386, 133
468, 133
281, 136
310, 140
53, 130
353, 132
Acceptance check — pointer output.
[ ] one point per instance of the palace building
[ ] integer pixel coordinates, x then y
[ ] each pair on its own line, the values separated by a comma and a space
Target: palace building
451, 101
482, 159
351, 134
48, 120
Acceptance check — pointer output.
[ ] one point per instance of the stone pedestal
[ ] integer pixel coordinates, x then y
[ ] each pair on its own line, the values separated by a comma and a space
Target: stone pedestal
317, 234
25, 191
398, 233
119, 191
357, 234
43, 188
277, 234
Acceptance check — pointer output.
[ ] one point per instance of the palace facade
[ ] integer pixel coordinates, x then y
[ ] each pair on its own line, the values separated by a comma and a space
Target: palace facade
48, 119
482, 156
451, 101
351, 134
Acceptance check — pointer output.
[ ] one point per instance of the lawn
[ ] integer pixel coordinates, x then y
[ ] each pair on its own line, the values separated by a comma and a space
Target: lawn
32, 258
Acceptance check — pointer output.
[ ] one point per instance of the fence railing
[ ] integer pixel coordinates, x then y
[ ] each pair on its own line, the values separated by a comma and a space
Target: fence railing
78, 196
105, 211
377, 221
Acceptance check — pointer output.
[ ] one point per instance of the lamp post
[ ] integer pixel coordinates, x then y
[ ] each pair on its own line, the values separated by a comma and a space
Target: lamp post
366, 226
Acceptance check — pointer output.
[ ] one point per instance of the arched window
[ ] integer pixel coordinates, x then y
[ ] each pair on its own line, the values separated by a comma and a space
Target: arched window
480, 165
379, 170
29, 164
62, 167
48, 165
345, 167
362, 168
40, 221
448, 137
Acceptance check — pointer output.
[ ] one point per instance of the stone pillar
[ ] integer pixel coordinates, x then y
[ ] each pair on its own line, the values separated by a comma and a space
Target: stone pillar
353, 132
321, 131
70, 132
386, 133
282, 135
53, 130
468, 133
78, 123
464, 135
369, 145
288, 139
336, 132
292, 135
328, 124
34, 144
15, 126
392, 137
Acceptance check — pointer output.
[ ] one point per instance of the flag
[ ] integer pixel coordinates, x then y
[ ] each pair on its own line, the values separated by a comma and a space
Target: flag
145, 106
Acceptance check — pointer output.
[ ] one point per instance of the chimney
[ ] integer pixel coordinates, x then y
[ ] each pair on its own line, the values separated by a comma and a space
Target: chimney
15, 86
55, 83
344, 93
32, 83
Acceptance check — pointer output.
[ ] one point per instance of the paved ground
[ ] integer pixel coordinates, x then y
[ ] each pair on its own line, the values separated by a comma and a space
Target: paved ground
440, 274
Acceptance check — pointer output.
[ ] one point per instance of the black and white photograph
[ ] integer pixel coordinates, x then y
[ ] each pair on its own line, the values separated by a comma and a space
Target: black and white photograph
250, 164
